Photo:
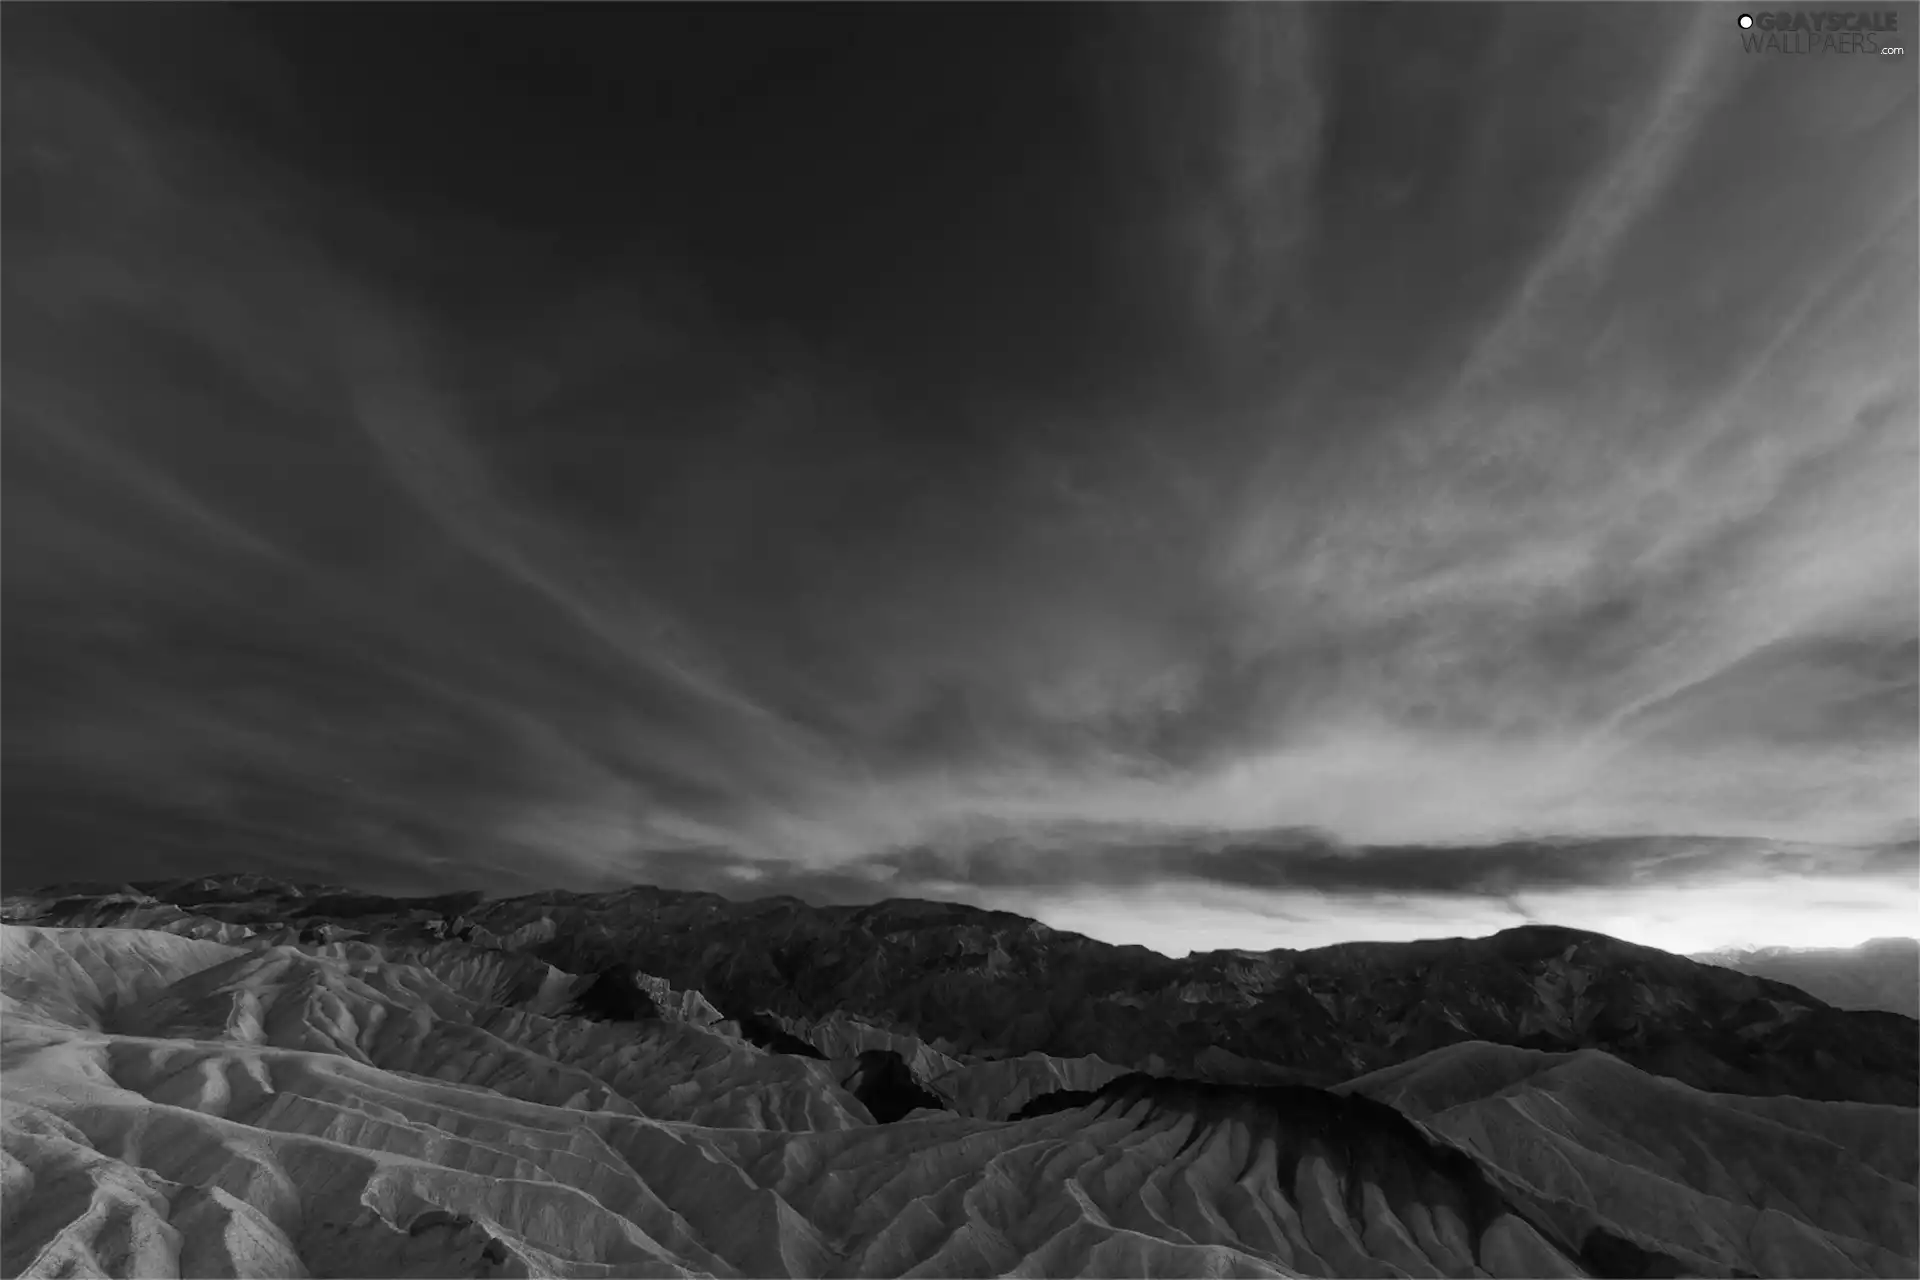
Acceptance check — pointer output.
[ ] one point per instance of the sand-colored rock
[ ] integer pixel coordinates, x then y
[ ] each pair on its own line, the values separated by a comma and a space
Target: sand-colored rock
175, 1107
985, 1088
972, 984
1883, 974
995, 1090
387, 1091
1771, 1186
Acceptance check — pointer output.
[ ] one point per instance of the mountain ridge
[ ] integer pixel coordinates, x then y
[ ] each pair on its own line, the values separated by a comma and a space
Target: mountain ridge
1880, 973
386, 1088
970, 982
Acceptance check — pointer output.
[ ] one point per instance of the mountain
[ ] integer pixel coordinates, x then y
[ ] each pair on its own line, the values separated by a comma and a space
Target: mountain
1882, 974
1767, 1185
267, 1079
981, 983
976, 981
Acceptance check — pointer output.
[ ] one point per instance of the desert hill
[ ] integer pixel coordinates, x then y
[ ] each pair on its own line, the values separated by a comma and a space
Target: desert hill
1883, 974
248, 1085
963, 981
1753, 1184
280, 1112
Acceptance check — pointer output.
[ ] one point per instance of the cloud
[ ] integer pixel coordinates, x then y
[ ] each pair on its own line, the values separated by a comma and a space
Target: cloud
1190, 891
1622, 189
1082, 856
1449, 436
273, 642
1246, 234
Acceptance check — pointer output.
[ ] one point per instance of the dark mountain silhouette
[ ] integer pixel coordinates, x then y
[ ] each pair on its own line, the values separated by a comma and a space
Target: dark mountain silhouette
974, 982
757, 1028
1544, 1101
614, 996
885, 1083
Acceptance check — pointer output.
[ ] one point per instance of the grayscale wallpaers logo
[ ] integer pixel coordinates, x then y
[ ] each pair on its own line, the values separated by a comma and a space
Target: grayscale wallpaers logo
1875, 32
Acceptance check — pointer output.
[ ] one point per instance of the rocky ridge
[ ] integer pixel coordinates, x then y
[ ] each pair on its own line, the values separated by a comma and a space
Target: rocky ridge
966, 983
1883, 974
431, 1083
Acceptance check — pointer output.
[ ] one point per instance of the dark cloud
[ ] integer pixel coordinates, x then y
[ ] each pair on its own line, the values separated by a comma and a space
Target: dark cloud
1277, 862
879, 448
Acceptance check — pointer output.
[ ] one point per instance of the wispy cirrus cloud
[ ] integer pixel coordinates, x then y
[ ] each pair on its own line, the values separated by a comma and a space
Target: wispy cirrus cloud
1427, 428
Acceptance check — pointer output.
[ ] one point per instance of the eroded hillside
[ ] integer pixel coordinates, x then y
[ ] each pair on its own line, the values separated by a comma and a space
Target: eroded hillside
261, 1079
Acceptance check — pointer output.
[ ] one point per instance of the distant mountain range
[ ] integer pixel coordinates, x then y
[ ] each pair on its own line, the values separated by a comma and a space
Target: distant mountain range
1881, 974
968, 983
263, 1078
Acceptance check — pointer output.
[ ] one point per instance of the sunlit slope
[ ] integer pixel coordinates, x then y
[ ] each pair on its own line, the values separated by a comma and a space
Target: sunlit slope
968, 985
987, 1089
277, 1112
351, 1002
71, 977
971, 982
1773, 1186
996, 1090
410, 1101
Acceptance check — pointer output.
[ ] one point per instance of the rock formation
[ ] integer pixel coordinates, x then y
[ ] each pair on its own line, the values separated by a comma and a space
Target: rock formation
402, 1094
1882, 974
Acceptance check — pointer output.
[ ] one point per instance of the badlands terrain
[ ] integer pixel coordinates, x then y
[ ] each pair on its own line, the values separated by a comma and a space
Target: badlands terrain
237, 1076
1881, 974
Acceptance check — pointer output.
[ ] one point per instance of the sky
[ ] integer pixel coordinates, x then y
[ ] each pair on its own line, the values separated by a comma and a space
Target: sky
1252, 475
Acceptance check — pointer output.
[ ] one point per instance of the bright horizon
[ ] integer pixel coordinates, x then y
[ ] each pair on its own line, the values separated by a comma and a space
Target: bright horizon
1180, 920
1356, 471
